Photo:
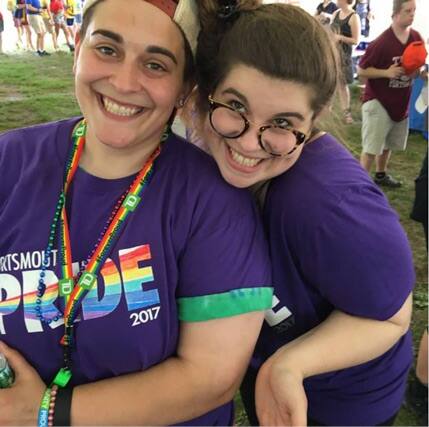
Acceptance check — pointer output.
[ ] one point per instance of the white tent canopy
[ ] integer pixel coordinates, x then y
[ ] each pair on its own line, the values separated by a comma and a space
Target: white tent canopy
380, 8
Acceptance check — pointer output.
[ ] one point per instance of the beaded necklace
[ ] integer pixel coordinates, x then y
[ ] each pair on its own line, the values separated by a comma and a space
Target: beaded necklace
74, 289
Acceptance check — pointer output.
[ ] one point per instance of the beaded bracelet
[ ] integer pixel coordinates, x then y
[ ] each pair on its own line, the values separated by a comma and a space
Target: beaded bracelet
53, 397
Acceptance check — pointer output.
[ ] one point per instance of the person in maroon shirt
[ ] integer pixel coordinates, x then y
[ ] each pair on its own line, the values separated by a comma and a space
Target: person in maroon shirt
387, 93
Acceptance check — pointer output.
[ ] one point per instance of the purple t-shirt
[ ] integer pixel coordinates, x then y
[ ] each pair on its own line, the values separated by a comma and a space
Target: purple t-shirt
393, 94
337, 244
191, 237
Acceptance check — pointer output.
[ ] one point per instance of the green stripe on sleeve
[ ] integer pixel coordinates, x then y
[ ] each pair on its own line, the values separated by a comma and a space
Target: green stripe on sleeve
232, 303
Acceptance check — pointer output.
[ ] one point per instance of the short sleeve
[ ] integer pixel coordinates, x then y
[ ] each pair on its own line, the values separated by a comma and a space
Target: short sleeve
368, 59
225, 268
358, 256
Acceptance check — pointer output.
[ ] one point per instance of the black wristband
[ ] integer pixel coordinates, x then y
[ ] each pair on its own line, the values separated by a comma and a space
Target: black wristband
63, 406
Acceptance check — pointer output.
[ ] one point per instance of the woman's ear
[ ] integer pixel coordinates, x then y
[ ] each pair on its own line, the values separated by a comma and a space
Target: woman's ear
188, 108
180, 102
187, 93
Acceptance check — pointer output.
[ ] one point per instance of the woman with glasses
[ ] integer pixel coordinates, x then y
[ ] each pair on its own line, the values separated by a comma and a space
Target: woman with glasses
335, 347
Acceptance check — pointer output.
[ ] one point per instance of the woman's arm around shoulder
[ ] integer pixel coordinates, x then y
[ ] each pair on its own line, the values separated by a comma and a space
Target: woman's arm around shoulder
280, 395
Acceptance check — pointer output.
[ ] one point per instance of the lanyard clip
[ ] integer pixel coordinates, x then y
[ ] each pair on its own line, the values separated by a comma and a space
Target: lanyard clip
63, 377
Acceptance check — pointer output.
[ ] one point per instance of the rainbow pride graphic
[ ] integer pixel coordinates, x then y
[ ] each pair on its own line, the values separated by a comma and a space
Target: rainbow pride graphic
127, 278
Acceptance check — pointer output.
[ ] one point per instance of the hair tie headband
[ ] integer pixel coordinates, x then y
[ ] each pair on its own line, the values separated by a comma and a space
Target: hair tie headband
227, 9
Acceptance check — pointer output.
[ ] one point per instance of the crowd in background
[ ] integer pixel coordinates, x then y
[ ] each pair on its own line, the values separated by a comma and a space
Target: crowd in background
35, 20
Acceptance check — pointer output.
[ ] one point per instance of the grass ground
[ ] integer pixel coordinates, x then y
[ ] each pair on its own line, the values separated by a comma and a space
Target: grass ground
34, 90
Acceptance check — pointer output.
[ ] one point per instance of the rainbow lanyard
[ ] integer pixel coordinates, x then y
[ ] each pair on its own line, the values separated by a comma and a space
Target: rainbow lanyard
72, 292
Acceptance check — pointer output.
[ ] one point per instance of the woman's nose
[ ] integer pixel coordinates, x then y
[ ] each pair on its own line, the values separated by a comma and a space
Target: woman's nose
125, 78
249, 142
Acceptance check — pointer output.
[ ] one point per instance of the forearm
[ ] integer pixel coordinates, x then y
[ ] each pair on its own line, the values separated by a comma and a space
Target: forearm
212, 357
168, 393
342, 341
349, 40
372, 73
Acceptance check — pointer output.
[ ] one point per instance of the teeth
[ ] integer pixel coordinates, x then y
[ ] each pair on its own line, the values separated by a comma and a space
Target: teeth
119, 110
245, 161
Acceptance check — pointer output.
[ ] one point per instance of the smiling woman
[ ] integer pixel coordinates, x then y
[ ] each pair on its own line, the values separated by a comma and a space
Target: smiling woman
335, 347
116, 234
280, 138
127, 85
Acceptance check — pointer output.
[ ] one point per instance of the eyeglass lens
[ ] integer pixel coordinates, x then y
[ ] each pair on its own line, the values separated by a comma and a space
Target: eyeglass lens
227, 122
231, 124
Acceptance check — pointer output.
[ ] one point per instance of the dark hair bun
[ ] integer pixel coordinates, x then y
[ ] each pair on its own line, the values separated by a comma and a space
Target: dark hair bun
227, 9
214, 13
